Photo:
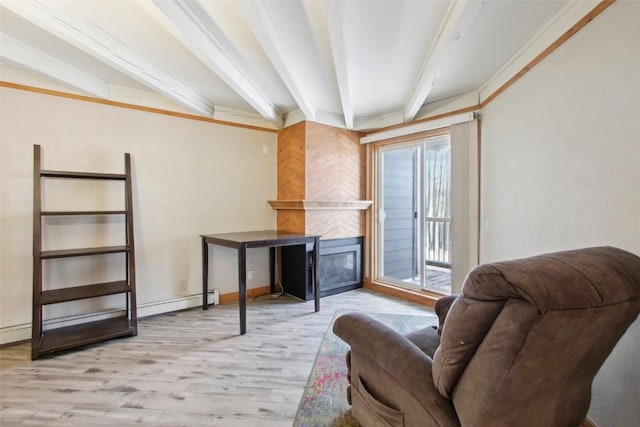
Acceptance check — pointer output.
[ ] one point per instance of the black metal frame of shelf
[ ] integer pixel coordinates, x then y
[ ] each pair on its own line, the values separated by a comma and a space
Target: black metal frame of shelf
64, 338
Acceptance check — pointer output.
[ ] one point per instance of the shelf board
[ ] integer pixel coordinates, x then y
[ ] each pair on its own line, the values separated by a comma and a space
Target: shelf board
87, 333
82, 175
78, 213
81, 292
63, 253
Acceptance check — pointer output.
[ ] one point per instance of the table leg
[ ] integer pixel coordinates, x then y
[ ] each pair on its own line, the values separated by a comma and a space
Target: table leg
242, 284
272, 269
315, 278
205, 274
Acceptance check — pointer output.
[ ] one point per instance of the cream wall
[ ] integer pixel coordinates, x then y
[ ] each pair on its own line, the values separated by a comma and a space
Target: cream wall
189, 178
561, 169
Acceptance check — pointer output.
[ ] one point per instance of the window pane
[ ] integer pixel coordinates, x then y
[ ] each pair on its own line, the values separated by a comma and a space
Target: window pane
437, 229
399, 214
437, 206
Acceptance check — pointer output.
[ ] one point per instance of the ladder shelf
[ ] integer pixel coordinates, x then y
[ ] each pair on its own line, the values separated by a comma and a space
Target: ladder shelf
51, 340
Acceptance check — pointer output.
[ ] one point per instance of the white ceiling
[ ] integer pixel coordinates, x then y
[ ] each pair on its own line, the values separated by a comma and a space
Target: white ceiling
359, 64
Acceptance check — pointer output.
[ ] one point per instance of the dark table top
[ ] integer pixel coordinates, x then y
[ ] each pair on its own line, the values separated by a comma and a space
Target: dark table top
258, 238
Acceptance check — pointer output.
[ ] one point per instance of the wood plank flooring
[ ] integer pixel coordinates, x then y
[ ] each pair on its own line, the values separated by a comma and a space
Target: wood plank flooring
188, 368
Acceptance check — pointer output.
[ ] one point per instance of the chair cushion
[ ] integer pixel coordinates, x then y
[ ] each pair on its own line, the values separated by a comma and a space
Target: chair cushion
465, 327
426, 339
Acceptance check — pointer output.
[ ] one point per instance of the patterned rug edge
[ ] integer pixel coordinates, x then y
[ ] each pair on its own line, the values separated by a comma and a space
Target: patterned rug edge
324, 402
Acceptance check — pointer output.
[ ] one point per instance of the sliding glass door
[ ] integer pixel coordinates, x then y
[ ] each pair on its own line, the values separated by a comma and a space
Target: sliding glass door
414, 219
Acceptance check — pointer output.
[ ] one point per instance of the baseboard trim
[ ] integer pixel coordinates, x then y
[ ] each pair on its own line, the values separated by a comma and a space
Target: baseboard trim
22, 332
233, 297
418, 297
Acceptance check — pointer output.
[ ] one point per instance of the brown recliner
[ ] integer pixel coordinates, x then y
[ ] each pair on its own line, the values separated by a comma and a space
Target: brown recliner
520, 346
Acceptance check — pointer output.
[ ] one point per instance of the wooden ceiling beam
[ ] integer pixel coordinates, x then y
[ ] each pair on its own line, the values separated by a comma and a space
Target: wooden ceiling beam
73, 28
193, 26
335, 20
458, 18
32, 59
262, 23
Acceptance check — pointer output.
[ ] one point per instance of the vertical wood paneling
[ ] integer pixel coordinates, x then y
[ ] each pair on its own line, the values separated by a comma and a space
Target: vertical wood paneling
291, 163
333, 224
321, 163
335, 163
292, 220
335, 171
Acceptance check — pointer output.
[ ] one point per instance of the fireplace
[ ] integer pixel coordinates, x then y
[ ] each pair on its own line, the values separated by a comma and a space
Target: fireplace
321, 191
340, 268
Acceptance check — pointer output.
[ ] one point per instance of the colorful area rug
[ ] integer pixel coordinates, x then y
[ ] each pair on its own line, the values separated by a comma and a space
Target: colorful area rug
324, 401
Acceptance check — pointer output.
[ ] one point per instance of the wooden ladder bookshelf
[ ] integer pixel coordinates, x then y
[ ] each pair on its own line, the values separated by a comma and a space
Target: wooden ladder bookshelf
63, 338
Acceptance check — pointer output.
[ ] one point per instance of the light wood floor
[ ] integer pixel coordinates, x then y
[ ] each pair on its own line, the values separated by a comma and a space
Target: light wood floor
189, 368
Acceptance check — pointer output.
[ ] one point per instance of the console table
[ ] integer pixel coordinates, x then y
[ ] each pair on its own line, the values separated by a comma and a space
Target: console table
255, 239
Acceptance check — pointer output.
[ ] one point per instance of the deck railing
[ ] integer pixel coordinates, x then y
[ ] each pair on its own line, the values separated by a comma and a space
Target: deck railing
438, 242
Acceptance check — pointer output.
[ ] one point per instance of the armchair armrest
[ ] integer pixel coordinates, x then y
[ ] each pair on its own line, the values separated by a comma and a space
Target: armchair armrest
392, 351
407, 365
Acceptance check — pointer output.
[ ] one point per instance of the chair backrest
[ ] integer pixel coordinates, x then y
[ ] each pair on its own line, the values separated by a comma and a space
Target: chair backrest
524, 341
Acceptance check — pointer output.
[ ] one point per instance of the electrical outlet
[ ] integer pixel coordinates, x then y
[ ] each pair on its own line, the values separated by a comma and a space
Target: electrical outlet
250, 275
213, 297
